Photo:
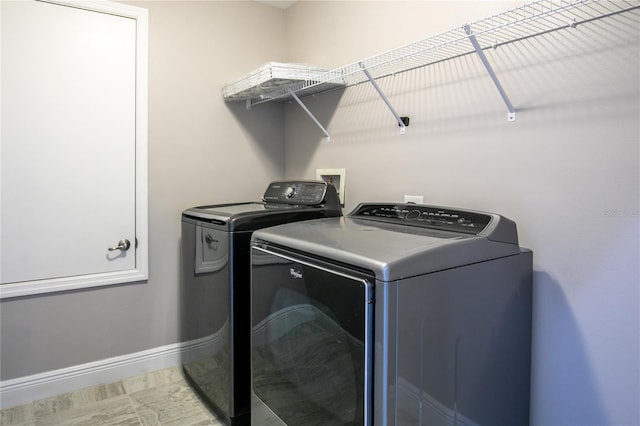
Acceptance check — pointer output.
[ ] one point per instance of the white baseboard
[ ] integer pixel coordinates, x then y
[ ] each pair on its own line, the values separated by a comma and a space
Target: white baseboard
43, 385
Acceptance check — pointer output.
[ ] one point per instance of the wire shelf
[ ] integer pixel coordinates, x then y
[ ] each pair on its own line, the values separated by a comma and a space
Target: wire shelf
274, 76
530, 20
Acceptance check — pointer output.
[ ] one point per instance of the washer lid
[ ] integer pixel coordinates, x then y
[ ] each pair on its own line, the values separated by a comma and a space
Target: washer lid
391, 251
222, 213
252, 216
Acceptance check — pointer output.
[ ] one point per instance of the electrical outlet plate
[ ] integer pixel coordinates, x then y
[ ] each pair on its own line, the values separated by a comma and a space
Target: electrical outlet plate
416, 199
336, 177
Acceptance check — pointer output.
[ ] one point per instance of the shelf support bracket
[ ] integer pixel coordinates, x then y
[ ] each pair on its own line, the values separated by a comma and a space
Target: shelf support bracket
310, 114
400, 120
511, 116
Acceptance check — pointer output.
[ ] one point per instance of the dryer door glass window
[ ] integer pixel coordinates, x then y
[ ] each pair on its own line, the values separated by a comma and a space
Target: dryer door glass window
310, 341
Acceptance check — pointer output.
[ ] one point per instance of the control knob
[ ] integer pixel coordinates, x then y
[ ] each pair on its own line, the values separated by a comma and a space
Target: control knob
413, 214
290, 192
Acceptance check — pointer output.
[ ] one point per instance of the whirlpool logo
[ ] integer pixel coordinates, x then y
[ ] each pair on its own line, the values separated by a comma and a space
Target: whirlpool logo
295, 274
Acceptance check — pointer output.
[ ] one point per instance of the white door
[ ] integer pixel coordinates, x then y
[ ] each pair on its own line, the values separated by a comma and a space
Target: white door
70, 148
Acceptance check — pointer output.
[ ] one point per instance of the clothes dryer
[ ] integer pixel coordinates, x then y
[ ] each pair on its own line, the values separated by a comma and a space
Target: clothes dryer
215, 301
397, 314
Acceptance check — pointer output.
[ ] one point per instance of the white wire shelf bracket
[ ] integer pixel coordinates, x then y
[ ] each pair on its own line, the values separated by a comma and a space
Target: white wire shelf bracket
530, 20
401, 122
310, 114
511, 116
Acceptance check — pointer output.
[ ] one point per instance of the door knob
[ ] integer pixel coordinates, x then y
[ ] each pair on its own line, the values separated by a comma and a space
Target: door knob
122, 245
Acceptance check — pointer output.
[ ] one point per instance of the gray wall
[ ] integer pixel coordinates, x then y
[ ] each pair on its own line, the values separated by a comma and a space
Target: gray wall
201, 150
567, 170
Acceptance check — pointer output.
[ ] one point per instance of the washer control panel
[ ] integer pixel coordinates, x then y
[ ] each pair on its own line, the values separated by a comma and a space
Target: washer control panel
296, 192
463, 221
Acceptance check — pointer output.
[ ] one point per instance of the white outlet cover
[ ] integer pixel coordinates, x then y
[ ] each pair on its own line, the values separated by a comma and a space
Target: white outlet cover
416, 199
336, 177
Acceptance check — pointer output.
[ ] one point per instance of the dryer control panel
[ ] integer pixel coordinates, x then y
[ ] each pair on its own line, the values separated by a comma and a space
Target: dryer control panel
296, 192
464, 221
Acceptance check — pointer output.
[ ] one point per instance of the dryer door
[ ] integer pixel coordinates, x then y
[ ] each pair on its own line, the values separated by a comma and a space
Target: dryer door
311, 341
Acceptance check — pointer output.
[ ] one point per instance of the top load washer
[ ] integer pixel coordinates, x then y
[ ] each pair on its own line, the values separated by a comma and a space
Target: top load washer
215, 311
397, 314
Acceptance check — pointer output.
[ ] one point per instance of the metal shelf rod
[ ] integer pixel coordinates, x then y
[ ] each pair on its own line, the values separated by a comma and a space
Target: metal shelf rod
403, 127
472, 38
310, 114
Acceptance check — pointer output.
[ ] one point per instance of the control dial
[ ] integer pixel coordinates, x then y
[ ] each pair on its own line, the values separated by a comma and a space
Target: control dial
413, 214
290, 192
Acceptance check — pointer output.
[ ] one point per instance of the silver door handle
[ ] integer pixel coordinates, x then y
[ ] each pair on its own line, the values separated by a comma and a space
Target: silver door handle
122, 245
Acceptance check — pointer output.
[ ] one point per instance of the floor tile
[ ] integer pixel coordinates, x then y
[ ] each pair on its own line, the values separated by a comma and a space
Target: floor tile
173, 404
78, 399
116, 411
153, 379
160, 397
21, 415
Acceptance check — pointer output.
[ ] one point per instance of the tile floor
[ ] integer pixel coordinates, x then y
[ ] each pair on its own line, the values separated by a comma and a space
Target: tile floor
158, 398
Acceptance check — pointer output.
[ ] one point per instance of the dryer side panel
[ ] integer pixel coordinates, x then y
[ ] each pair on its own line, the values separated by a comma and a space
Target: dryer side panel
214, 327
464, 344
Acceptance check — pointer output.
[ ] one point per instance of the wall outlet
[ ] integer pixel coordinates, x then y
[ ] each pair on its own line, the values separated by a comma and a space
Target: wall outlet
415, 199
